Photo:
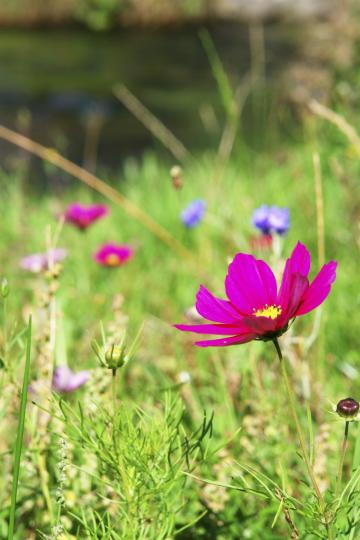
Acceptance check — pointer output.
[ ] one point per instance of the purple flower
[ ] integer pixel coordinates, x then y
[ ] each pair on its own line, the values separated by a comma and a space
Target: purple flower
255, 307
113, 255
193, 213
65, 380
271, 219
38, 262
82, 216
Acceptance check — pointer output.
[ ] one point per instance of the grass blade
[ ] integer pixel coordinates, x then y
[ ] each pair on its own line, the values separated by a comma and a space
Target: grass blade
20, 435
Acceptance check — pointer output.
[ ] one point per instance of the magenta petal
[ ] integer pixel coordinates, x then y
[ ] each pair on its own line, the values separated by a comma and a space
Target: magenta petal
215, 309
261, 325
217, 329
84, 215
298, 263
319, 288
224, 342
120, 253
268, 279
297, 287
300, 260
249, 284
284, 292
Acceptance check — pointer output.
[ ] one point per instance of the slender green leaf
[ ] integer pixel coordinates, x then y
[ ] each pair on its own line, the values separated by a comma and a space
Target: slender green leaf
20, 435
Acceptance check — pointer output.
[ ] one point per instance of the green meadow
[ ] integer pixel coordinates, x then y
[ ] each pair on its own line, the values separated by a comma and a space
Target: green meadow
178, 441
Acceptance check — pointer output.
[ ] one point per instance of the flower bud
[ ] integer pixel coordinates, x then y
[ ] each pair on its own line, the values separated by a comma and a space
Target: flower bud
348, 408
115, 357
4, 288
176, 177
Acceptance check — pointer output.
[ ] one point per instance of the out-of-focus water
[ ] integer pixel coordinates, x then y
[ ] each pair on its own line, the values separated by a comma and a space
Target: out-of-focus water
56, 86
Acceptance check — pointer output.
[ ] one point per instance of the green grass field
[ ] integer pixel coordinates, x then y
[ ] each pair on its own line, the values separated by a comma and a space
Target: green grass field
183, 442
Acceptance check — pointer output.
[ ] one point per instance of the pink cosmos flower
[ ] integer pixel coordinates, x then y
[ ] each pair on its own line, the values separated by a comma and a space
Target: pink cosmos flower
38, 262
82, 216
65, 380
113, 255
255, 308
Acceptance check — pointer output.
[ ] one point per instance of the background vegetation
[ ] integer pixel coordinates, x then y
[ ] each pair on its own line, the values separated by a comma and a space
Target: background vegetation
182, 442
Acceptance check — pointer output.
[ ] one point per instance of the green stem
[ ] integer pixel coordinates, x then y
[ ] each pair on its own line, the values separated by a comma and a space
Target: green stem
342, 458
44, 482
5, 329
113, 390
301, 437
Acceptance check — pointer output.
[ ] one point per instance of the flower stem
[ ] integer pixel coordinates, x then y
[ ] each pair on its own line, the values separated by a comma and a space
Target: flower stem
300, 434
113, 389
342, 458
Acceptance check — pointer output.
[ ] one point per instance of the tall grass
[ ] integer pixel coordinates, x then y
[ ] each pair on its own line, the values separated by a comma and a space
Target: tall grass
184, 443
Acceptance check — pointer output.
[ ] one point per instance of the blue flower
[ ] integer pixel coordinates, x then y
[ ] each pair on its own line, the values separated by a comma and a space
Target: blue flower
193, 213
279, 220
260, 218
271, 219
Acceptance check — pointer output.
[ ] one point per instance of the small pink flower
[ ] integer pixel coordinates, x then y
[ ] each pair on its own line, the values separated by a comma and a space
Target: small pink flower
113, 255
65, 380
38, 262
255, 307
82, 216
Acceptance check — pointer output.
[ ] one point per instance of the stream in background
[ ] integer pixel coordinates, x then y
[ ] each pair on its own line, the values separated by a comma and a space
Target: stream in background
56, 86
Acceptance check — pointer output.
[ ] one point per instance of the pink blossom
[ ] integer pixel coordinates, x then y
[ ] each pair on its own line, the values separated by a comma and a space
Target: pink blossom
255, 308
113, 255
82, 216
65, 380
38, 262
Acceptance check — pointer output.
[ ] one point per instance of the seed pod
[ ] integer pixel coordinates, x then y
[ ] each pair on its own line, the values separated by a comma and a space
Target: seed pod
348, 408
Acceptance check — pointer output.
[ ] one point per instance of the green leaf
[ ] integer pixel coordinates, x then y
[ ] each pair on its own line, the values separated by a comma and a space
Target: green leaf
20, 435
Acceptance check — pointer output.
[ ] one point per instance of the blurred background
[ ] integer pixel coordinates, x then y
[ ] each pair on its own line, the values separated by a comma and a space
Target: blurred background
195, 114
62, 61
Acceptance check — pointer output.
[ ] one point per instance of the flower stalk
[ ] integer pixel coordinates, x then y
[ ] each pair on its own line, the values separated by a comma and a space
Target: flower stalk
113, 389
342, 458
301, 437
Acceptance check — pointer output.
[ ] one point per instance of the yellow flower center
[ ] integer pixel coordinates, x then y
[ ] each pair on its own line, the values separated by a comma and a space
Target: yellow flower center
271, 312
112, 259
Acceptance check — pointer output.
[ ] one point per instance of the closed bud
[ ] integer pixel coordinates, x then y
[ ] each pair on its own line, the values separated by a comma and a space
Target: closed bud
4, 288
176, 176
348, 408
115, 357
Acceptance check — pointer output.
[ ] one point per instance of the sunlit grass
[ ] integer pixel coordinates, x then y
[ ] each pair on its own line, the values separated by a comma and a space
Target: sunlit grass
139, 473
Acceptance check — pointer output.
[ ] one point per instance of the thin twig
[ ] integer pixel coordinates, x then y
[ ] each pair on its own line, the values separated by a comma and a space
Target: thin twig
339, 121
319, 209
151, 122
52, 156
294, 532
228, 136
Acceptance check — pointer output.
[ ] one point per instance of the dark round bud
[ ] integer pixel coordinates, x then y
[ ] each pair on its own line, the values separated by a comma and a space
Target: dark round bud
347, 408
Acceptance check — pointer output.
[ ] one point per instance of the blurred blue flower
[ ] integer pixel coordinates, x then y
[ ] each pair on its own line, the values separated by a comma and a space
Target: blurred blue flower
279, 220
260, 218
193, 213
272, 219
